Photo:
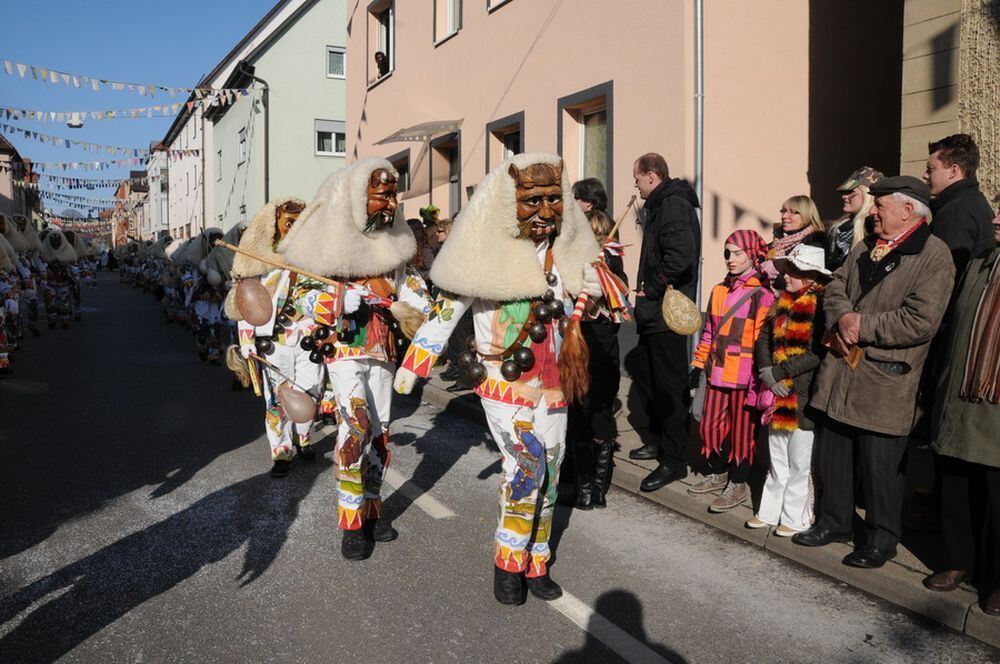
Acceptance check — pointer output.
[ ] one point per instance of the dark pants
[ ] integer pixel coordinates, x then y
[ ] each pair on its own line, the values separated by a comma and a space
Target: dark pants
881, 463
970, 492
663, 377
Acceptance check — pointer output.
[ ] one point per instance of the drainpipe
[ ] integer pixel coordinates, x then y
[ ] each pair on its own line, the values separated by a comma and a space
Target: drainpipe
248, 71
699, 142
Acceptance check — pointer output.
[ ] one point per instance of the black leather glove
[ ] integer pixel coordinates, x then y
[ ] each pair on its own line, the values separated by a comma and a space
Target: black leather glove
694, 376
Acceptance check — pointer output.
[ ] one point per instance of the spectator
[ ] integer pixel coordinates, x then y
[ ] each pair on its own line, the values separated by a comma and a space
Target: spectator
590, 195
671, 248
855, 225
884, 306
423, 257
800, 222
461, 338
961, 213
737, 308
788, 353
592, 428
965, 422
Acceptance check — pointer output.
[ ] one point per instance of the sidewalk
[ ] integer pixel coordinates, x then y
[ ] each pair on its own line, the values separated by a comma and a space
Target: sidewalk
898, 582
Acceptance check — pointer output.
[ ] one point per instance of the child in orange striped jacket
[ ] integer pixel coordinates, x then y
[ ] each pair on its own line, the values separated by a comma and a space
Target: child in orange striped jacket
737, 308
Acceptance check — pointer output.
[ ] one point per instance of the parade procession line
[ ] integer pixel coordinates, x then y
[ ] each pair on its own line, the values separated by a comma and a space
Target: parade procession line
898, 582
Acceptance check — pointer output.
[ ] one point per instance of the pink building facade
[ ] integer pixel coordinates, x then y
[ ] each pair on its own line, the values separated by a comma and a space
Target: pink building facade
464, 82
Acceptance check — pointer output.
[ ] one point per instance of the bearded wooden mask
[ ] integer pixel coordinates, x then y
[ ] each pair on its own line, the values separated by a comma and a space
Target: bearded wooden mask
539, 196
382, 204
284, 217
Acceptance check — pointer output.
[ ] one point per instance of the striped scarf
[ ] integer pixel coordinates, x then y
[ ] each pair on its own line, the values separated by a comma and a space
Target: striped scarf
793, 334
982, 363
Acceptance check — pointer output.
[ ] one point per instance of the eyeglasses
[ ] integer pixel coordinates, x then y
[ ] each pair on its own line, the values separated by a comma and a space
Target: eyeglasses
784, 210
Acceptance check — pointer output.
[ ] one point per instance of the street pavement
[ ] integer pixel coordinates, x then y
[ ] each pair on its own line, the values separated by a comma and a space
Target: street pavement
139, 524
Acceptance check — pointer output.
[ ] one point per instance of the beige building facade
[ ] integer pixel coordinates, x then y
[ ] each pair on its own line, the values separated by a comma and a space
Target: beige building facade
446, 88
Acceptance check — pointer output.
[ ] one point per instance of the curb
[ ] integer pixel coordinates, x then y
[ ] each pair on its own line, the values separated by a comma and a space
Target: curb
899, 582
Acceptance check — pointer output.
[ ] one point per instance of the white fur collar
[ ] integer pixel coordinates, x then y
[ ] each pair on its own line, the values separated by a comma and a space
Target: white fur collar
259, 238
65, 253
328, 236
484, 258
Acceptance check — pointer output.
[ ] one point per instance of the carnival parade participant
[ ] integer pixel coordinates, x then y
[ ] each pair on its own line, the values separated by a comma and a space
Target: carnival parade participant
204, 299
36, 269
350, 234
515, 256
278, 340
58, 254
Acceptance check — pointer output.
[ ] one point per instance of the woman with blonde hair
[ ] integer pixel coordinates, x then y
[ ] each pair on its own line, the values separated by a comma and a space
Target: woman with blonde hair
853, 226
800, 222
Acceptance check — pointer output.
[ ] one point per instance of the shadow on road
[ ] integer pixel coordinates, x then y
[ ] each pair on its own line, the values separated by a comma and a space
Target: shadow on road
80, 599
624, 610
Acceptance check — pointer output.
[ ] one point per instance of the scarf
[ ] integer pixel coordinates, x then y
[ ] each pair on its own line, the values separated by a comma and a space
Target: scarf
781, 246
883, 247
792, 336
982, 362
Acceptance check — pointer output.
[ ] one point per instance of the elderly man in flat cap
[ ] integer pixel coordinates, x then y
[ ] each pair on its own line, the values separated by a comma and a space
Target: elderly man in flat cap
884, 306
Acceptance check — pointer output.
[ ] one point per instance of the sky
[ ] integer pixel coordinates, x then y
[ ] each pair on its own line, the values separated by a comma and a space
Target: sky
172, 43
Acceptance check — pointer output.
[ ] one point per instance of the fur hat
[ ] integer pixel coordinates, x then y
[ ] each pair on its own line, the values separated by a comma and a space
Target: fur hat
159, 248
30, 235
483, 255
174, 250
8, 257
13, 236
199, 246
64, 254
259, 238
328, 238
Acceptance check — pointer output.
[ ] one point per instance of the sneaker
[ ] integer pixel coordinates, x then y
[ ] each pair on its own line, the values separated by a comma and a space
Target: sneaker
753, 523
733, 495
711, 484
784, 531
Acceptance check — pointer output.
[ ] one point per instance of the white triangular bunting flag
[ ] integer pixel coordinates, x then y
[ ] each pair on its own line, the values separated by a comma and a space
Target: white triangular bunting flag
8, 67
21, 69
65, 78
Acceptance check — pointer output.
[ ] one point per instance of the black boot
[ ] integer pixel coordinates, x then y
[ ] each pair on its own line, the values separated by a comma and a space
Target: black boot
508, 587
543, 587
280, 467
381, 530
583, 465
604, 463
306, 453
355, 545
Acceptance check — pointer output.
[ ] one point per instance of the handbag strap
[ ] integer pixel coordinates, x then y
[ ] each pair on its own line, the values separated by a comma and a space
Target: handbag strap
732, 310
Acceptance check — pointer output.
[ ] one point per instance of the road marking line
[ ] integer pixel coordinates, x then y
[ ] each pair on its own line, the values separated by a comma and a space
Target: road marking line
605, 631
420, 498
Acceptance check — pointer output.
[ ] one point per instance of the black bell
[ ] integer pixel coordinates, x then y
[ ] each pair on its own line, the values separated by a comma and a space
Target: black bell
307, 343
288, 309
558, 309
315, 356
548, 296
466, 358
282, 320
322, 333
264, 346
328, 350
537, 332
510, 371
477, 373
524, 358
543, 313
550, 279
562, 325
345, 336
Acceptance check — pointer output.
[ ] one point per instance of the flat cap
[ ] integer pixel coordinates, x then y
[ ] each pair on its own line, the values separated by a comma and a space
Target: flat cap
903, 184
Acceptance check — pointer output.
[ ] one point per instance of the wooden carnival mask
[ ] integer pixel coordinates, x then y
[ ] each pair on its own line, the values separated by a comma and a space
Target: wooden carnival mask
539, 196
284, 217
382, 203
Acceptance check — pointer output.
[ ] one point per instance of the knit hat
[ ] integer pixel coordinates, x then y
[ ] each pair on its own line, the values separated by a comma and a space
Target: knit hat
750, 242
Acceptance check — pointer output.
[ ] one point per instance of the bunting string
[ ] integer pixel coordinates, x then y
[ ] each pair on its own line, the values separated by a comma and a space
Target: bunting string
59, 141
160, 110
55, 76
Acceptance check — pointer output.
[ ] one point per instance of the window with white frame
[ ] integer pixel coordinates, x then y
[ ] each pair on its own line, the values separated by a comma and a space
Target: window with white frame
336, 62
218, 165
381, 39
243, 145
331, 138
447, 18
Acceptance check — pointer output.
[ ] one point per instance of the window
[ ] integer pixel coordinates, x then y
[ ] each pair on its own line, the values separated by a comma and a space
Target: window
164, 181
220, 221
447, 19
336, 62
401, 162
381, 39
495, 4
504, 139
218, 166
243, 145
331, 138
446, 173
243, 214
187, 183
585, 137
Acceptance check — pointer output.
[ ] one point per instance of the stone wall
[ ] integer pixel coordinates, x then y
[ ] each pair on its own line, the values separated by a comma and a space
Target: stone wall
979, 85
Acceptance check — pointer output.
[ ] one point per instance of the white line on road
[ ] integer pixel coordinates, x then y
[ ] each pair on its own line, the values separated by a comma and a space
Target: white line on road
605, 631
420, 498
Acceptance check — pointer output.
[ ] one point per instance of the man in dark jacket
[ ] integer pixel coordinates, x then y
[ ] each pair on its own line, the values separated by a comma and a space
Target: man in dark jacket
671, 249
962, 215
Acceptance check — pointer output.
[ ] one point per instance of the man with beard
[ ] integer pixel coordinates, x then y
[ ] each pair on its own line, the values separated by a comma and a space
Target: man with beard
516, 256
350, 235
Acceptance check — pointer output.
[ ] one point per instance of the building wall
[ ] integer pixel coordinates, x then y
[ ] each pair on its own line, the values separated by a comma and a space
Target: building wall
294, 66
159, 219
529, 55
979, 89
187, 180
7, 191
930, 78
